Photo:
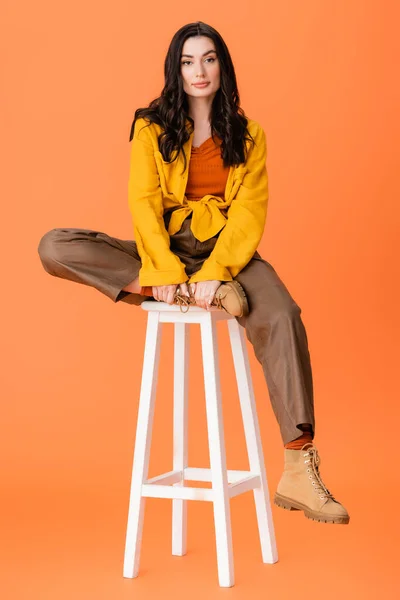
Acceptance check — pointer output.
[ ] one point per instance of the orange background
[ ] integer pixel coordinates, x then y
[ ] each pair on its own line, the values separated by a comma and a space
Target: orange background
322, 79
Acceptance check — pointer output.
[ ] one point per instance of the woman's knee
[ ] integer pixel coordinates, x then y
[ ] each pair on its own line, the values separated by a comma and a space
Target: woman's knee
262, 326
49, 249
275, 304
286, 309
265, 317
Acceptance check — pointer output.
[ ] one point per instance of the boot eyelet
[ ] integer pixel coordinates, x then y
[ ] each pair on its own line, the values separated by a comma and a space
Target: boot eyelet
309, 477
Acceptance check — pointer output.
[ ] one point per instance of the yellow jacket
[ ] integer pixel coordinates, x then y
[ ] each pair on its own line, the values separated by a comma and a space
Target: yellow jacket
156, 186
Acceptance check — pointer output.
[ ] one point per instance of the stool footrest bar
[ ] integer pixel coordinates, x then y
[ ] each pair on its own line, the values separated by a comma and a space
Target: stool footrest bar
162, 486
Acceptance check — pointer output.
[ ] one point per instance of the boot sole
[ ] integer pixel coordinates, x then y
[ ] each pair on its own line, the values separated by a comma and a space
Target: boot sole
288, 504
242, 297
245, 304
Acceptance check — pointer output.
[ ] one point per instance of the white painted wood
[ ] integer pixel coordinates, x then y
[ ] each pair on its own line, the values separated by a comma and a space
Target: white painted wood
244, 485
170, 317
253, 441
180, 492
226, 483
222, 514
201, 474
142, 445
151, 305
180, 434
167, 490
167, 478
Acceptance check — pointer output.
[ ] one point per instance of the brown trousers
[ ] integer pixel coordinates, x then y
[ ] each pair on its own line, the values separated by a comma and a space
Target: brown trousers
273, 325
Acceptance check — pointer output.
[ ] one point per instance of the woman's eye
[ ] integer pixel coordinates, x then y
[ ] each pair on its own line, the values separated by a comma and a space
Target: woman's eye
185, 62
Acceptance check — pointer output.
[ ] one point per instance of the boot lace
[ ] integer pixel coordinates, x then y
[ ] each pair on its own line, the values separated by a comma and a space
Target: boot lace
217, 301
185, 302
313, 460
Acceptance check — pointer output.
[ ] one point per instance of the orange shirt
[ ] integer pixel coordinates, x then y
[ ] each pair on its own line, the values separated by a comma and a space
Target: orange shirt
207, 175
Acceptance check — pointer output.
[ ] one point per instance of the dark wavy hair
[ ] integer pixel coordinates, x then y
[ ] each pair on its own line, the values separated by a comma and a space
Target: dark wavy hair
170, 109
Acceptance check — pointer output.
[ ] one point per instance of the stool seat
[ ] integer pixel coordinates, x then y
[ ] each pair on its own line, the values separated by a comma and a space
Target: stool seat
150, 305
226, 483
155, 305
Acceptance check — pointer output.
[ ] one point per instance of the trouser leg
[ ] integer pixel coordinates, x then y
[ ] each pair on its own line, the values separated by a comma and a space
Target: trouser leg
277, 333
92, 258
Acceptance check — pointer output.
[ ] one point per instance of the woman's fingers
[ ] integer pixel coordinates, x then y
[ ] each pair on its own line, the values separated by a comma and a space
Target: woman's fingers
165, 293
184, 290
205, 293
210, 299
204, 297
170, 294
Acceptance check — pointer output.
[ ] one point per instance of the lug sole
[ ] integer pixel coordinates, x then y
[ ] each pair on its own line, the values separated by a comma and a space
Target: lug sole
289, 504
242, 299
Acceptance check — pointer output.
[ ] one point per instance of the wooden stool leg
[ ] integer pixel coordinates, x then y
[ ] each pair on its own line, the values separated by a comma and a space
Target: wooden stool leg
253, 441
180, 434
142, 445
222, 516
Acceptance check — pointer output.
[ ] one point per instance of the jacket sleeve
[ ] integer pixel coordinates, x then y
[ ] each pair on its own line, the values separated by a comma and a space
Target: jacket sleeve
160, 266
247, 214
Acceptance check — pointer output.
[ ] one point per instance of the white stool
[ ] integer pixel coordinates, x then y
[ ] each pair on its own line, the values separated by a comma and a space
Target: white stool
225, 483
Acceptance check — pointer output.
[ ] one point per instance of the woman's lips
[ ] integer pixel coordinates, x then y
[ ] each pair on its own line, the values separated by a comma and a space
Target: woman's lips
201, 85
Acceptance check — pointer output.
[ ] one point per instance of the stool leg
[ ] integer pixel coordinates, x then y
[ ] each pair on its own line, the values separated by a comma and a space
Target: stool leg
180, 434
253, 441
142, 445
222, 515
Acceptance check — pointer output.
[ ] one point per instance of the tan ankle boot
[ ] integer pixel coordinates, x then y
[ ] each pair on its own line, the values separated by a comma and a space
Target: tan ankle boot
301, 488
230, 296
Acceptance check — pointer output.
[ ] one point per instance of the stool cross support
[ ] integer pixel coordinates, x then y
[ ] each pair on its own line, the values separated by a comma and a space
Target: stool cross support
225, 483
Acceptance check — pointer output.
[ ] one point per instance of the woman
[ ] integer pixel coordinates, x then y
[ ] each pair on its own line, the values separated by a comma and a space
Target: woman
198, 193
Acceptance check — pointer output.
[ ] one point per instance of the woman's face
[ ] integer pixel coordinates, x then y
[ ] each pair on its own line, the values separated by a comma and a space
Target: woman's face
200, 64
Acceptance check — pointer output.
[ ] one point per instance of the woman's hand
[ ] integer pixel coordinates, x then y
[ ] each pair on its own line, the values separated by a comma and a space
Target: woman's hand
166, 293
204, 292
